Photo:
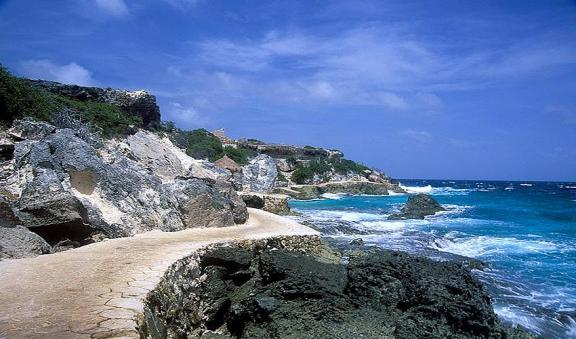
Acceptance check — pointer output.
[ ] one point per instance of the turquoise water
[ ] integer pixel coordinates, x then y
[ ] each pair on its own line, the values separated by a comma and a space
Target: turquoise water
525, 231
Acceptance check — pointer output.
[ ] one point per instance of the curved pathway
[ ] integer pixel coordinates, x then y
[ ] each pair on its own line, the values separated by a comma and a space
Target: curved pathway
96, 290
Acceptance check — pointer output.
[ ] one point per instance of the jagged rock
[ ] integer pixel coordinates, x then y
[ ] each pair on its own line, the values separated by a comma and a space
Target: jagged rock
50, 211
260, 175
30, 129
285, 165
6, 147
417, 207
155, 154
135, 103
357, 242
273, 203
345, 187
19, 242
64, 186
226, 163
238, 205
201, 205
7, 216
272, 289
287, 151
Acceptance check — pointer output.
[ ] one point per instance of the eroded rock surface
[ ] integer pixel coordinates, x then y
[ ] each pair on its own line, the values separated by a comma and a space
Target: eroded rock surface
273, 203
260, 175
298, 288
18, 242
69, 191
418, 207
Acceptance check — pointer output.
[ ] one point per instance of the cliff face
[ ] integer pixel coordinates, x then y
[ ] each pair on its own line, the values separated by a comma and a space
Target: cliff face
73, 190
134, 103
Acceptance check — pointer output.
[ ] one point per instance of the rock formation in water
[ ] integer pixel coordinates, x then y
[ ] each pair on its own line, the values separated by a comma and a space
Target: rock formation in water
418, 207
297, 287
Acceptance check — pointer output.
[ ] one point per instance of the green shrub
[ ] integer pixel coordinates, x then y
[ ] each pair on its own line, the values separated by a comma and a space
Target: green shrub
344, 166
18, 99
302, 175
280, 176
204, 145
240, 155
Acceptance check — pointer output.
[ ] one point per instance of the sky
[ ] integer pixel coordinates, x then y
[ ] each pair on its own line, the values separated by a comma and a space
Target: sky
419, 89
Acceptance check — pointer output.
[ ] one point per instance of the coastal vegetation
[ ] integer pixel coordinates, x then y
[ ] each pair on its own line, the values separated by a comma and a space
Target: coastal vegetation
19, 99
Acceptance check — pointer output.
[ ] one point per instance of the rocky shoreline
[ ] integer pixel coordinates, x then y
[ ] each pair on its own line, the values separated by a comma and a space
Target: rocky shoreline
299, 287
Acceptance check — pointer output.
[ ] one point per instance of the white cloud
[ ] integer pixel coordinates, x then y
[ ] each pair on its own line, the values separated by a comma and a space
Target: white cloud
419, 137
185, 115
114, 7
183, 4
376, 65
71, 73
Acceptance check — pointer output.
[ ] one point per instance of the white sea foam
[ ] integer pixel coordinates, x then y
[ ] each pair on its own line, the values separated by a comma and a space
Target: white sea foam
436, 190
519, 317
417, 189
345, 215
526, 185
332, 196
485, 245
571, 332
384, 225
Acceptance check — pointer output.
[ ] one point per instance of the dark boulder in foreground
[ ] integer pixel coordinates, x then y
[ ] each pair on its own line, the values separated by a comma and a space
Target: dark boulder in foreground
19, 242
417, 207
297, 287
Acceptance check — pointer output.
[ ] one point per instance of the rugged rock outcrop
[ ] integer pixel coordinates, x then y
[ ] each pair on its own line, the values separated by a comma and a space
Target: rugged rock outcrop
273, 203
7, 216
417, 207
66, 189
260, 175
345, 187
287, 151
135, 103
299, 288
19, 242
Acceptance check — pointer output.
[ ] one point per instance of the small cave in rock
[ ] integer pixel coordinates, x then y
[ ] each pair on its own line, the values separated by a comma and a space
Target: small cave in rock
83, 181
6, 152
65, 235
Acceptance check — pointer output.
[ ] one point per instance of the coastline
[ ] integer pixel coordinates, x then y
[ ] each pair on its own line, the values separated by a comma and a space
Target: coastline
99, 288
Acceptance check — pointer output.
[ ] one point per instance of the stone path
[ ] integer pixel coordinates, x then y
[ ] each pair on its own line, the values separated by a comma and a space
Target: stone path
96, 290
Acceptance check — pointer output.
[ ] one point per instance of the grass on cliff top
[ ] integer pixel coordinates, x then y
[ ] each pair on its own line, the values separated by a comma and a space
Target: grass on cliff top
18, 99
304, 173
205, 145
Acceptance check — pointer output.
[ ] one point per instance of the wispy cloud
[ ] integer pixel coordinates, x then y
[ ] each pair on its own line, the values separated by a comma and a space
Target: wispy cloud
418, 137
71, 73
183, 4
183, 115
384, 66
113, 7
566, 113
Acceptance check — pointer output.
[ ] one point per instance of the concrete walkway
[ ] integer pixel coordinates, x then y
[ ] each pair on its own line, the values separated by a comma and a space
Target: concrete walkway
96, 290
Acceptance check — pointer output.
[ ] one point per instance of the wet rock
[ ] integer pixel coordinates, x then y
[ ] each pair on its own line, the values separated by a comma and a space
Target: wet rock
357, 242
310, 292
19, 242
260, 175
417, 207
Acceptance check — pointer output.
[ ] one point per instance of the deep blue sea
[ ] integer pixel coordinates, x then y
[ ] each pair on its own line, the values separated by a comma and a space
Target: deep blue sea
525, 231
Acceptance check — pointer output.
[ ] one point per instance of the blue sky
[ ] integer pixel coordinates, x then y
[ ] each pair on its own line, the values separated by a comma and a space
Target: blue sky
420, 89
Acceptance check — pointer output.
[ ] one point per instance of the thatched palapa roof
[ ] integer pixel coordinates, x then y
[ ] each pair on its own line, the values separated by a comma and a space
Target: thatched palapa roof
229, 164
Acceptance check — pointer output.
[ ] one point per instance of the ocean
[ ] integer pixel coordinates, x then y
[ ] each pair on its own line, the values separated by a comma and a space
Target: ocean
524, 231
